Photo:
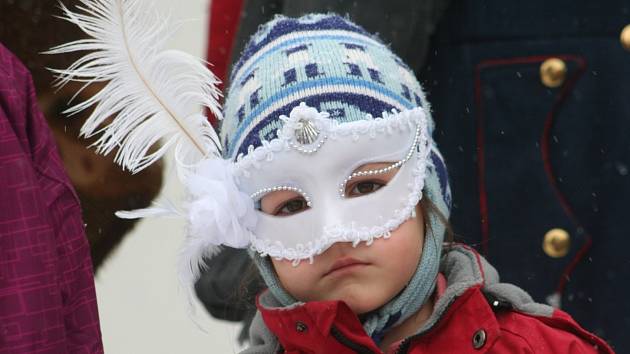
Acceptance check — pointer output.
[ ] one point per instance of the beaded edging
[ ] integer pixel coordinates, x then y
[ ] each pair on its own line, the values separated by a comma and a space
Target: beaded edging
261, 192
397, 164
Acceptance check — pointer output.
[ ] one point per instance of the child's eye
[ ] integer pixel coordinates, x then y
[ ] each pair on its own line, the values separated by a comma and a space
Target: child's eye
363, 187
292, 206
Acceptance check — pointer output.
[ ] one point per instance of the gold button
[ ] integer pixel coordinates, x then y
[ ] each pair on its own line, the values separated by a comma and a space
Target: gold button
553, 71
624, 37
557, 243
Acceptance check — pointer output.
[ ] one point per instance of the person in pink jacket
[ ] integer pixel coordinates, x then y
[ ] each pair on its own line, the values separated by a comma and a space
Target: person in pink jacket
47, 296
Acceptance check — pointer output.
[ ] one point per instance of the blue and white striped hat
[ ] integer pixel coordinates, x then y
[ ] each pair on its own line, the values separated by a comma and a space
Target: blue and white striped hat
329, 63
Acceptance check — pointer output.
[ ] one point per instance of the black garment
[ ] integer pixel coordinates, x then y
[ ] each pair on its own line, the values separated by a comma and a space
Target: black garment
228, 287
405, 25
540, 157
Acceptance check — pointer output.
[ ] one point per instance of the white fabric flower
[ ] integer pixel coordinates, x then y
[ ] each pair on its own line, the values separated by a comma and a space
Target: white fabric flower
218, 214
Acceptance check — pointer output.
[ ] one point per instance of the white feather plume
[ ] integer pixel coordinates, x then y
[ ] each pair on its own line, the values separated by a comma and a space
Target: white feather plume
152, 94
157, 95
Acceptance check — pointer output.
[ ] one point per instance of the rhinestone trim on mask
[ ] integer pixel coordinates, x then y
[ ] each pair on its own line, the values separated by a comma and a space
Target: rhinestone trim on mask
309, 151
263, 191
342, 186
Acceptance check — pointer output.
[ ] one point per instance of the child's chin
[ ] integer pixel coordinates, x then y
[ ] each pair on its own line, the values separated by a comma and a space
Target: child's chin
360, 297
362, 305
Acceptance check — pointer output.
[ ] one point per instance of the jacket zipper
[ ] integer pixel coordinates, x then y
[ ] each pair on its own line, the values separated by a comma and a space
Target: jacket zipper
404, 346
360, 349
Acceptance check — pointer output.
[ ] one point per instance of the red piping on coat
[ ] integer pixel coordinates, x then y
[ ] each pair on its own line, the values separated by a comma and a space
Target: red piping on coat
483, 201
481, 163
544, 144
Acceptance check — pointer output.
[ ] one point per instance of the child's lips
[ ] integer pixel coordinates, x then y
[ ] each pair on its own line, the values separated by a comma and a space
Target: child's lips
345, 264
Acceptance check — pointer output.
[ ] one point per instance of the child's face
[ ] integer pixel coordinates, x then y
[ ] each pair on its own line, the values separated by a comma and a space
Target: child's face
364, 277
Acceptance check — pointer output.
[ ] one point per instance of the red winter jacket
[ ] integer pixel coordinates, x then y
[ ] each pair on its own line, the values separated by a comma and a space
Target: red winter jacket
473, 314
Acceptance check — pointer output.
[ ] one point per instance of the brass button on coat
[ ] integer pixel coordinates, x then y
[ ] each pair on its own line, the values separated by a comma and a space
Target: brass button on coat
624, 37
553, 72
479, 339
557, 243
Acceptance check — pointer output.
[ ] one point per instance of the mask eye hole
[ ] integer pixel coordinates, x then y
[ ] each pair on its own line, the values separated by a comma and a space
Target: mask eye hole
291, 207
360, 188
283, 203
369, 183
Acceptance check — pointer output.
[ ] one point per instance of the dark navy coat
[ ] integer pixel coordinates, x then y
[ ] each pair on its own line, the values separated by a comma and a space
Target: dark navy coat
525, 158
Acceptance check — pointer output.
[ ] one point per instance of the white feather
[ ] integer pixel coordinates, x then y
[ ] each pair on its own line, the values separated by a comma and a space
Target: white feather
164, 209
153, 94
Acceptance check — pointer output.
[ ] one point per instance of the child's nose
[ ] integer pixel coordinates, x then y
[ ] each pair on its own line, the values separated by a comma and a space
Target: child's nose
339, 249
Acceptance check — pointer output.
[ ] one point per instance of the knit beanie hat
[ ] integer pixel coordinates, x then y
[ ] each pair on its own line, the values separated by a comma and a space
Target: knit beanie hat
335, 66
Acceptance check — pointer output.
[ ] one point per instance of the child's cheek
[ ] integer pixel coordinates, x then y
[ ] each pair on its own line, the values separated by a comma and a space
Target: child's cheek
298, 280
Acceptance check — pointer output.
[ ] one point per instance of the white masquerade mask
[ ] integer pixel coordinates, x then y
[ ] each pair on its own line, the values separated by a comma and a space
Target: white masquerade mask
305, 159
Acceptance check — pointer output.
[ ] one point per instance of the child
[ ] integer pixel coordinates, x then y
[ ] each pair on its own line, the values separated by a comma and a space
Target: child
376, 279
329, 175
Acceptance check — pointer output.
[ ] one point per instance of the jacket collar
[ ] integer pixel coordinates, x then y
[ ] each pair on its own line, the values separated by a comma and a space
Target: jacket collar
459, 317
